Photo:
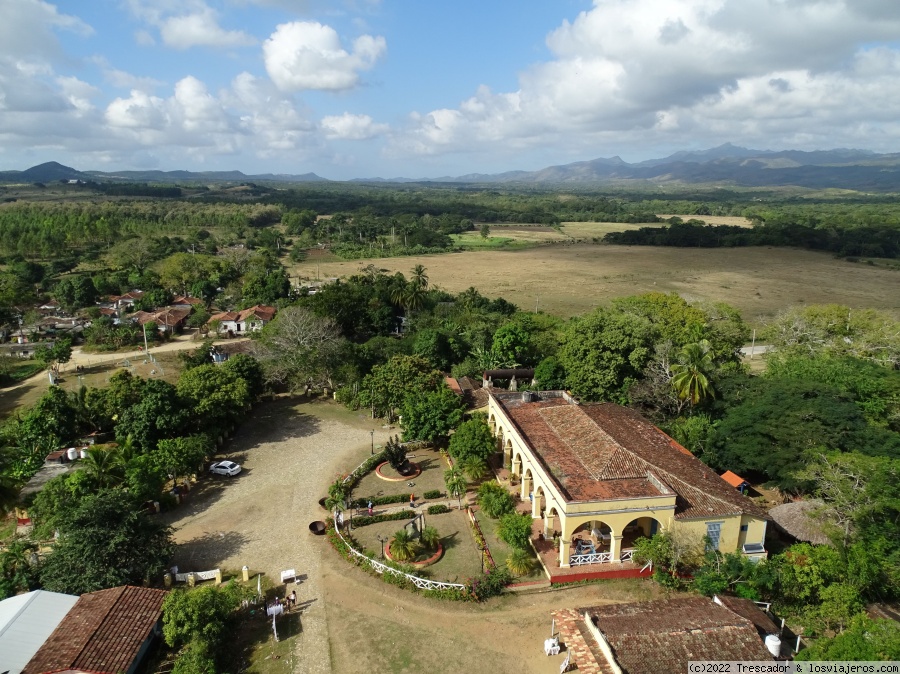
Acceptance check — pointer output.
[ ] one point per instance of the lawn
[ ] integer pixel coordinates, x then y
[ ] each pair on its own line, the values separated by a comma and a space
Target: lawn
500, 550
432, 477
20, 371
461, 556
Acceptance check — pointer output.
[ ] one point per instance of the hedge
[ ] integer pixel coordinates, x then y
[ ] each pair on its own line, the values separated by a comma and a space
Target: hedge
438, 509
432, 493
365, 520
379, 500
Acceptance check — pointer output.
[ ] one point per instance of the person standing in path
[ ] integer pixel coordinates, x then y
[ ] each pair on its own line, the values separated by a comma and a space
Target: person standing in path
412, 500
370, 508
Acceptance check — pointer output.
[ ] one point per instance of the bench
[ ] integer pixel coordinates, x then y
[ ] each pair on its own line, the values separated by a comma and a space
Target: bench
288, 575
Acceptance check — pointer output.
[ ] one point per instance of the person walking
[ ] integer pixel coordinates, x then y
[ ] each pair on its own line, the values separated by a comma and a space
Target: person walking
412, 500
370, 508
293, 598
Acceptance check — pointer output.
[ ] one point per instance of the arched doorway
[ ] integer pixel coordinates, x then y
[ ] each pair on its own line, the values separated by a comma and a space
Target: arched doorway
592, 542
539, 505
527, 487
639, 527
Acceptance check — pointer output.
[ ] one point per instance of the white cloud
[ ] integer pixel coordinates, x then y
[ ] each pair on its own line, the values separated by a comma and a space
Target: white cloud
27, 29
309, 55
183, 24
352, 127
633, 73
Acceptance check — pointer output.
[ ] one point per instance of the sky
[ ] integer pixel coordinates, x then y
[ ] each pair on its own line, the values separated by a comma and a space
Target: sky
431, 88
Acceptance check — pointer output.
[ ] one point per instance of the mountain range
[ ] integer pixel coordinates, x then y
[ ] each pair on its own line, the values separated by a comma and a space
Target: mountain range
726, 165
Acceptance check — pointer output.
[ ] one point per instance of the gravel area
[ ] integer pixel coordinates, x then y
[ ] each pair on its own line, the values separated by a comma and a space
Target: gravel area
290, 451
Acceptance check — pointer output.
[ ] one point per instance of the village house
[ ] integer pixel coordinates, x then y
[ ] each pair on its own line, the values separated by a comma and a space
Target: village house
169, 320
248, 320
126, 301
599, 476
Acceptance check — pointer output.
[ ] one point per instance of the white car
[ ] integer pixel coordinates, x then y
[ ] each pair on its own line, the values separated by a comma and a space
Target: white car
225, 468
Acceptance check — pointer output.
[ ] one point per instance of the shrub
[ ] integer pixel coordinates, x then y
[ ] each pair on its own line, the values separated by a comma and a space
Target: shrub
495, 500
379, 500
515, 529
395, 454
403, 547
365, 520
519, 562
431, 493
430, 537
438, 509
490, 584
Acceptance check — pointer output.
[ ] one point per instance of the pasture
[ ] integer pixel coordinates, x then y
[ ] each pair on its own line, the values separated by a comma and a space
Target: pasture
569, 279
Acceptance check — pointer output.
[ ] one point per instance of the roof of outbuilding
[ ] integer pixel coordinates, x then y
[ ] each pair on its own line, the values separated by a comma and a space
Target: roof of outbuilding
662, 636
733, 479
26, 621
602, 451
102, 633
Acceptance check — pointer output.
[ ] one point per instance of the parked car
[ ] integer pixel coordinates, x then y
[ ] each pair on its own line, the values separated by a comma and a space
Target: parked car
225, 468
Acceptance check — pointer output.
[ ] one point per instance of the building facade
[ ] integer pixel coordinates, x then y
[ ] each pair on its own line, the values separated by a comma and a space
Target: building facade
599, 476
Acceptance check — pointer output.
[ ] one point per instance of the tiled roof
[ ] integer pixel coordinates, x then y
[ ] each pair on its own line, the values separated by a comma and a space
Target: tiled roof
224, 316
663, 636
733, 479
602, 451
746, 608
259, 312
102, 633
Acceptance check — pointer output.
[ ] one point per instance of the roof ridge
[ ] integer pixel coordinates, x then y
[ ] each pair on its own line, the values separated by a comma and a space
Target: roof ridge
25, 604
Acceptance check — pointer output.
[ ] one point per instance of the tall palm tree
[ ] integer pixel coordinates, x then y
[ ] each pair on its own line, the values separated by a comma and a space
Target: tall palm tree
419, 277
403, 547
105, 465
456, 484
690, 375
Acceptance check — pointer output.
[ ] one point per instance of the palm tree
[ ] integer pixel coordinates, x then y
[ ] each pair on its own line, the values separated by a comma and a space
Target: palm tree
474, 467
105, 465
337, 495
403, 547
430, 537
456, 484
419, 277
690, 374
519, 562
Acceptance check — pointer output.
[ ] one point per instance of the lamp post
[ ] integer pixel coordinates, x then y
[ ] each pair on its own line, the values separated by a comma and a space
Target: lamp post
482, 558
382, 540
372, 436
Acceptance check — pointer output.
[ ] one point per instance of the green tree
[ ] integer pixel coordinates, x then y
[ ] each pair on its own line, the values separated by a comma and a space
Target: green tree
430, 537
495, 500
218, 397
250, 370
432, 415
690, 375
200, 614
105, 466
474, 467
386, 388
865, 640
456, 484
182, 455
59, 352
106, 541
550, 374
605, 352
160, 414
19, 567
472, 438
515, 529
485, 230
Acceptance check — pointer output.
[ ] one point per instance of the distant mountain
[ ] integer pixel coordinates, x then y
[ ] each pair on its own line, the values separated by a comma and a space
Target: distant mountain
726, 165
50, 171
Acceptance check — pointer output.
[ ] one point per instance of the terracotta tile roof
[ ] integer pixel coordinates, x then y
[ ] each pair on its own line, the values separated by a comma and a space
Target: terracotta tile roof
453, 385
602, 451
662, 636
749, 610
259, 312
224, 316
169, 317
184, 299
733, 479
102, 633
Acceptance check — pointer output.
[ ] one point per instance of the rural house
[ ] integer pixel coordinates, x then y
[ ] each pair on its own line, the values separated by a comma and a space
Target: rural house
249, 320
170, 319
600, 476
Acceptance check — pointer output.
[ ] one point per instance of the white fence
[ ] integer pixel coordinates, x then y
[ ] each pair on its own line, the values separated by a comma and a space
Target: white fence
421, 583
198, 575
600, 558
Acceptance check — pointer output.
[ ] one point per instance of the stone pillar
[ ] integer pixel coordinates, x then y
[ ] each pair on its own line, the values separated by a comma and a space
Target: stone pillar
517, 467
245, 573
615, 548
547, 521
564, 546
525, 487
535, 504
218, 576
167, 580
191, 580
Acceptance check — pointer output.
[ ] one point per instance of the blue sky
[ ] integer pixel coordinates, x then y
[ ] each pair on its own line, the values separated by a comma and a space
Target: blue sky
429, 88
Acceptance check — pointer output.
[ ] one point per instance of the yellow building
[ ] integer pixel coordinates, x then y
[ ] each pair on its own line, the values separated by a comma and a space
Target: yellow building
600, 476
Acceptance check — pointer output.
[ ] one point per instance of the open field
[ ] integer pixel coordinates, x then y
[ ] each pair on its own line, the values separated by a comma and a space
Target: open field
589, 230
568, 279
734, 220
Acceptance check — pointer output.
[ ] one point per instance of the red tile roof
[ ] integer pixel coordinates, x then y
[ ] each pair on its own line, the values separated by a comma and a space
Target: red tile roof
602, 451
102, 633
259, 312
663, 636
733, 479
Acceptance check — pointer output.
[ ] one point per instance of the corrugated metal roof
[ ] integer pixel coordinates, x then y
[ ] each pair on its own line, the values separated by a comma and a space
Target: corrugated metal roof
26, 622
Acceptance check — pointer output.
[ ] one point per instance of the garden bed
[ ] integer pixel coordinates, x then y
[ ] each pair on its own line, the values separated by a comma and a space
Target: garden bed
500, 550
432, 466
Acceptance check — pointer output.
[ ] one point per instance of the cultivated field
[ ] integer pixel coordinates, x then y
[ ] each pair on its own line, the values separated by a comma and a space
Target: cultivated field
711, 219
570, 279
589, 230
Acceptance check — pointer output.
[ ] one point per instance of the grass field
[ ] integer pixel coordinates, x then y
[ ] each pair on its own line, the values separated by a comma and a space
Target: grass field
711, 219
570, 279
589, 230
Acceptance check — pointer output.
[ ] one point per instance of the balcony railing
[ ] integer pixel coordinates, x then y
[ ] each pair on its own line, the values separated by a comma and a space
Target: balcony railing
600, 558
